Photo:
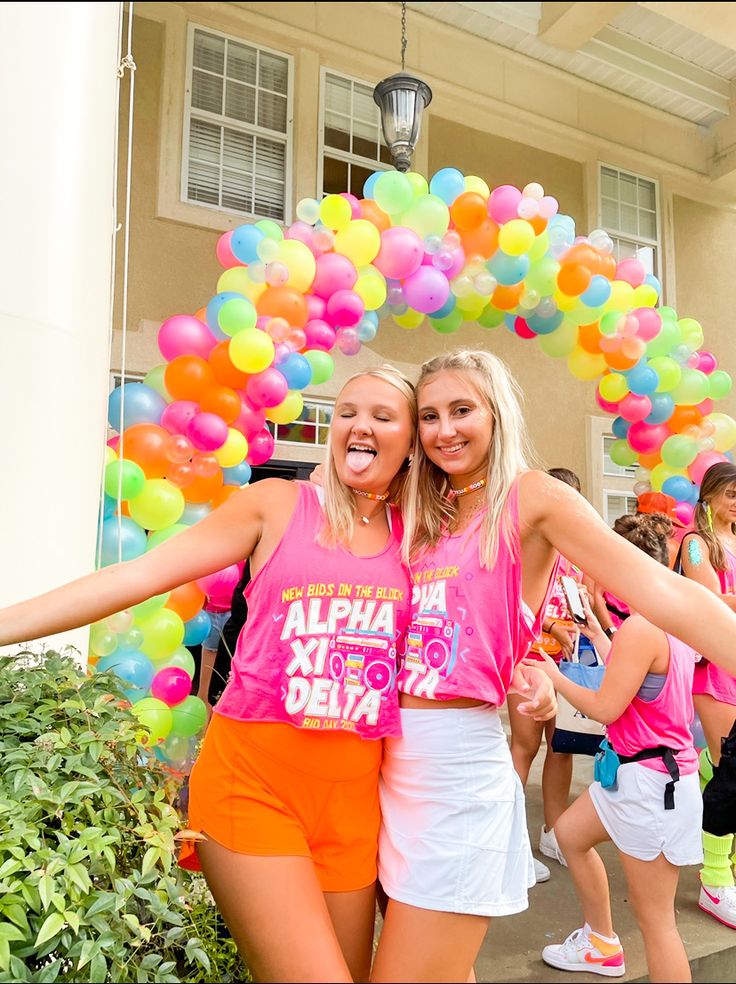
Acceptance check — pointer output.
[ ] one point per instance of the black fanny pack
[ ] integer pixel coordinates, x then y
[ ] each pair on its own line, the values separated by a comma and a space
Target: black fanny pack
668, 757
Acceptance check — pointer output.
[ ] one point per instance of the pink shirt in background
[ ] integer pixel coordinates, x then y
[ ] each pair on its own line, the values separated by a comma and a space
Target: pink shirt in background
469, 626
711, 679
664, 720
319, 648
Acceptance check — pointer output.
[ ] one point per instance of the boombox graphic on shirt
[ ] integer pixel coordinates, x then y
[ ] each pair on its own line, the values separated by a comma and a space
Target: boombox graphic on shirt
362, 661
431, 644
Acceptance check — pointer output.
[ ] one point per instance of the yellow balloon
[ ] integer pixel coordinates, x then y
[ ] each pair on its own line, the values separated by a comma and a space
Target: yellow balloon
409, 319
516, 237
564, 301
238, 280
585, 365
622, 296
233, 451
299, 261
471, 305
418, 183
539, 247
559, 342
251, 350
288, 410
371, 287
476, 184
335, 211
613, 387
645, 296
110, 455
360, 241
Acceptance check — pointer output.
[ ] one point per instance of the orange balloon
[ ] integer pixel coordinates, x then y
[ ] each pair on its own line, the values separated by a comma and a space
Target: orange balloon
506, 298
147, 444
186, 376
607, 266
538, 224
283, 302
589, 338
583, 254
573, 278
684, 417
617, 360
374, 213
203, 489
650, 460
469, 211
186, 600
483, 240
224, 494
201, 315
225, 372
221, 400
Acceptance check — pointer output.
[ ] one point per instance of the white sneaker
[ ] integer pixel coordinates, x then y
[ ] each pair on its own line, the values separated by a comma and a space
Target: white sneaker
541, 871
719, 903
581, 951
549, 847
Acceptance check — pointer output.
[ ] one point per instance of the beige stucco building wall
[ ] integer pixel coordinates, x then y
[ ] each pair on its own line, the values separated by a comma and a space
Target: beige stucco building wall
495, 114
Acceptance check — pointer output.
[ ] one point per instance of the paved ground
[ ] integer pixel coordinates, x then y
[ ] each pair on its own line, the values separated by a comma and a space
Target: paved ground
511, 952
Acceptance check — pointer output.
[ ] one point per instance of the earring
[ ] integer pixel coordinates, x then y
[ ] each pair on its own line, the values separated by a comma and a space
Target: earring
709, 516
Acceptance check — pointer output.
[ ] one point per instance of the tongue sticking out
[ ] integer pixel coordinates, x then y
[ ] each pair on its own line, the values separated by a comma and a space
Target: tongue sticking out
359, 461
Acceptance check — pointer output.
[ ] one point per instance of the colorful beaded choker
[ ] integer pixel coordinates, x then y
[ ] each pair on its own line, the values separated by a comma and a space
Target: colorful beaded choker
473, 487
376, 496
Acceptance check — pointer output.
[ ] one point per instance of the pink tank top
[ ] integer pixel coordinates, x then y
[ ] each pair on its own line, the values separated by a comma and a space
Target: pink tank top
709, 678
664, 720
470, 626
318, 649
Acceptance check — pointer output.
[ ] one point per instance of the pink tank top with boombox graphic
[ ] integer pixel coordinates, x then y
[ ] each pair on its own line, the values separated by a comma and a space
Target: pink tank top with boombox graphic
709, 678
470, 626
319, 648
664, 720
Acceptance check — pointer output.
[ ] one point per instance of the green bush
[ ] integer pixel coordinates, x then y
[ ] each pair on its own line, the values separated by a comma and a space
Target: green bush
89, 887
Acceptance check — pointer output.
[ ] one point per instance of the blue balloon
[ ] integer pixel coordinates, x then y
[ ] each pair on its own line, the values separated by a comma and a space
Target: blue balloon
296, 370
652, 281
597, 293
508, 270
193, 512
238, 474
109, 505
126, 532
197, 629
244, 243
642, 380
544, 326
447, 184
370, 184
367, 331
678, 487
133, 667
620, 428
143, 405
446, 308
663, 406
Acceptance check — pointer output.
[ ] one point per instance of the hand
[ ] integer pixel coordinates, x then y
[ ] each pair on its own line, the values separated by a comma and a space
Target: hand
533, 679
565, 637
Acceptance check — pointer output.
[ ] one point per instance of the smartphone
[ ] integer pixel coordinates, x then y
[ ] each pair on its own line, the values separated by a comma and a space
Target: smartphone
574, 601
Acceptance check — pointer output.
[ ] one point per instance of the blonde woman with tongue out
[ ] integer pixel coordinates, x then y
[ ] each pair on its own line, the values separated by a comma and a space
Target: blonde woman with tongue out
284, 794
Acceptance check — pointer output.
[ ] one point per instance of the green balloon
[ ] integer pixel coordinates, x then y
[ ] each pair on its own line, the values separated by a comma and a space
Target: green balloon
490, 317
163, 633
270, 229
154, 715
181, 658
427, 216
161, 536
621, 454
719, 384
450, 323
692, 389
145, 608
667, 339
189, 717
322, 365
125, 477
393, 192
159, 504
679, 451
155, 379
237, 314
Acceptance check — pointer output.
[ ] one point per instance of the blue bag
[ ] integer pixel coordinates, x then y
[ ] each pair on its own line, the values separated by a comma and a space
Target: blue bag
605, 769
574, 732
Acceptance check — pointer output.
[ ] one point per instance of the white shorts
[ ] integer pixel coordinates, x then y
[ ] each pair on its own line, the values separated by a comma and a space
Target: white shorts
637, 822
453, 834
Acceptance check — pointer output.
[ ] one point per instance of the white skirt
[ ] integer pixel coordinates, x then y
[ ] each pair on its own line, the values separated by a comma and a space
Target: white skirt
637, 822
453, 834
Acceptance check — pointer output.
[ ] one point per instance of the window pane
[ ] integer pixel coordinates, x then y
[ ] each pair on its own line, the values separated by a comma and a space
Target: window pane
240, 102
209, 52
627, 189
358, 177
270, 159
629, 219
269, 198
647, 196
203, 184
337, 94
204, 141
609, 214
238, 150
273, 73
337, 138
335, 178
385, 153
366, 148
619, 505
206, 92
609, 183
272, 111
325, 413
237, 190
648, 224
309, 413
241, 62
364, 108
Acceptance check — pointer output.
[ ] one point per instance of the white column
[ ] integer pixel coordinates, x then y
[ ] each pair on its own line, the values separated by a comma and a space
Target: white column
57, 122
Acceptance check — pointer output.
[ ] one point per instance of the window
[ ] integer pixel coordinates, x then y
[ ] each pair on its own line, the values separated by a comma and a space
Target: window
237, 127
311, 428
610, 487
618, 504
628, 212
352, 144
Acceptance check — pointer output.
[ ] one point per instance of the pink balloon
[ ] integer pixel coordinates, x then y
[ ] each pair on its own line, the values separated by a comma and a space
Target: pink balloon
184, 334
251, 420
401, 253
522, 329
705, 407
267, 388
348, 341
171, 685
178, 415
260, 448
704, 461
113, 442
650, 323
707, 363
684, 512
334, 272
647, 438
354, 204
207, 431
503, 203
632, 271
319, 335
304, 233
345, 308
316, 307
634, 407
219, 586
224, 251
426, 290
606, 404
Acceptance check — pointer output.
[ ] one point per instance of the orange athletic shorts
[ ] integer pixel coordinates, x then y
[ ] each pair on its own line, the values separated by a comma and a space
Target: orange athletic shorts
275, 790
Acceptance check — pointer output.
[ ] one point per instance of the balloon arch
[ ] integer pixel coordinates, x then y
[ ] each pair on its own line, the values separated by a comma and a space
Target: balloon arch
451, 251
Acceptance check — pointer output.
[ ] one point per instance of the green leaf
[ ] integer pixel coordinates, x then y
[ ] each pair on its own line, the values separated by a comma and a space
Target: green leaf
149, 859
89, 948
46, 890
10, 932
52, 925
98, 969
16, 914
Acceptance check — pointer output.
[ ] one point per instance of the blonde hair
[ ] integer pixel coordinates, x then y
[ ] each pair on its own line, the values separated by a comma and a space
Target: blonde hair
716, 479
428, 511
340, 508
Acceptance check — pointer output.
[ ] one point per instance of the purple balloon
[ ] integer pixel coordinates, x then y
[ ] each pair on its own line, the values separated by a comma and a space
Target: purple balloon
426, 290
207, 431
184, 334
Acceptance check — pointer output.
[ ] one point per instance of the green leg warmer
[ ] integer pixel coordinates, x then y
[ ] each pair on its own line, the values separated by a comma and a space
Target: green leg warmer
716, 870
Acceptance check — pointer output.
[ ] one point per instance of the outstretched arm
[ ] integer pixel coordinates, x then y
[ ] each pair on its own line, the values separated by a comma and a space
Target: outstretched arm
226, 536
555, 516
